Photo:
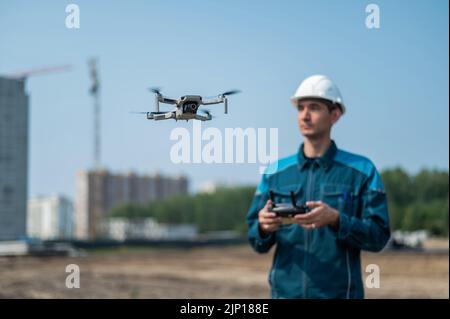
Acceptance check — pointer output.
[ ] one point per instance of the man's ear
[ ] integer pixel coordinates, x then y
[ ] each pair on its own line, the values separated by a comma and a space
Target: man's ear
335, 115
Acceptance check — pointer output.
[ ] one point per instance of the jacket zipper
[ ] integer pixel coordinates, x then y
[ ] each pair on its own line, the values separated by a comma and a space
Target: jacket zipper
341, 208
347, 254
349, 273
307, 231
274, 269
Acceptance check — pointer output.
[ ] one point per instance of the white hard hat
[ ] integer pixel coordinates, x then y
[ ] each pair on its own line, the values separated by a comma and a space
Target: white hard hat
321, 87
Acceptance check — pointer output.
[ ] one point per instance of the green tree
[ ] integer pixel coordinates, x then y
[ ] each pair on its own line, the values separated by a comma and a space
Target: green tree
415, 202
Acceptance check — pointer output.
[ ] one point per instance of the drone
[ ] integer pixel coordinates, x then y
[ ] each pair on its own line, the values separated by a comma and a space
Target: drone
186, 107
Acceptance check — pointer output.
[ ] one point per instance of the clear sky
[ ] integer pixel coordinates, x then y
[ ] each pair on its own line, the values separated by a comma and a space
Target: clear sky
394, 79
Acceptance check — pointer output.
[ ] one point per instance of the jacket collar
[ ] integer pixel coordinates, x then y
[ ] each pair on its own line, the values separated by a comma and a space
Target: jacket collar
324, 161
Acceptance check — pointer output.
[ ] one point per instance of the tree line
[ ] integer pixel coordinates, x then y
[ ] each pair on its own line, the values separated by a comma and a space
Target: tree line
415, 202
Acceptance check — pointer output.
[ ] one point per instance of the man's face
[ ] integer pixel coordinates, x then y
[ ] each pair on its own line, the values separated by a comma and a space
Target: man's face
314, 118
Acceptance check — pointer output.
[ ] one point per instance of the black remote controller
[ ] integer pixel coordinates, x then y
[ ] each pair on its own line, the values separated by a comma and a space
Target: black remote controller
287, 209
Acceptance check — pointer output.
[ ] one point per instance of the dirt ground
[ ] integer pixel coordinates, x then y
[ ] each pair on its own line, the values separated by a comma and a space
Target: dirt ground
212, 272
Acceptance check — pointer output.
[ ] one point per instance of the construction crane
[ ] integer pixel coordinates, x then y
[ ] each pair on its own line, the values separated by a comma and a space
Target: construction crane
39, 71
95, 92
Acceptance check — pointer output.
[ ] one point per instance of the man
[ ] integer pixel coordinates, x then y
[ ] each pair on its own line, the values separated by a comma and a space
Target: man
318, 253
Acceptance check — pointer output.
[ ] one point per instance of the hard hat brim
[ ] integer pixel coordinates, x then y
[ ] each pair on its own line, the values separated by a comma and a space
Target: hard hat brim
295, 100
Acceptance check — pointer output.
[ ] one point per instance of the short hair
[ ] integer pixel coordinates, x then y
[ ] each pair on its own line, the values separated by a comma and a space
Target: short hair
330, 105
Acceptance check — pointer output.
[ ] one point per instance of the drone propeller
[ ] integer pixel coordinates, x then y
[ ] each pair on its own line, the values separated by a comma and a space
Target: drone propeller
147, 112
230, 92
207, 112
156, 90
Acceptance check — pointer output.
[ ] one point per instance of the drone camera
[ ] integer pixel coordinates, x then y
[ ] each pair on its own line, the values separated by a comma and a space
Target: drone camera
191, 107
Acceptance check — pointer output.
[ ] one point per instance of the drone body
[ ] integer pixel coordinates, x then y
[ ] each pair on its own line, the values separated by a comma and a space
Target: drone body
186, 107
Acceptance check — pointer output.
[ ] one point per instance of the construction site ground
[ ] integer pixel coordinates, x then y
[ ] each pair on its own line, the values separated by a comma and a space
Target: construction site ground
205, 272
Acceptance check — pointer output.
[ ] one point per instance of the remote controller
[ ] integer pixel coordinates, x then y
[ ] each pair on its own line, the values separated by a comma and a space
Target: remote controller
286, 209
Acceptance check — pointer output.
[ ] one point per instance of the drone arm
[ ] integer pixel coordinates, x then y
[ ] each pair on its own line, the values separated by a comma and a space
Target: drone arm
213, 101
202, 118
219, 99
166, 100
157, 116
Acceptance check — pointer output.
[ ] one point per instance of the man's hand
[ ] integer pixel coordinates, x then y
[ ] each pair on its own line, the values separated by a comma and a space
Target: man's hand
268, 221
320, 215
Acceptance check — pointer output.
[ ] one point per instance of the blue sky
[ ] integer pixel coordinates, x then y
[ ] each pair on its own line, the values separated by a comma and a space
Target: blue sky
394, 79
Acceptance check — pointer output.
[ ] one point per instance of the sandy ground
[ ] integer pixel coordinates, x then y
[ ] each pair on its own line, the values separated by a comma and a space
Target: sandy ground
212, 272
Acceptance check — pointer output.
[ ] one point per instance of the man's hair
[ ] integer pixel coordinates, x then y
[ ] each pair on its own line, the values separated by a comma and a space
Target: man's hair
330, 105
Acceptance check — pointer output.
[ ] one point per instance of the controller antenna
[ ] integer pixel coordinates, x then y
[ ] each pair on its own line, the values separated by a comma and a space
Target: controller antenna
272, 198
293, 199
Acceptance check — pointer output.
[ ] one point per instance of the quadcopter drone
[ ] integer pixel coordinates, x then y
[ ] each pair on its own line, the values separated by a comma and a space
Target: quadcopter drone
186, 107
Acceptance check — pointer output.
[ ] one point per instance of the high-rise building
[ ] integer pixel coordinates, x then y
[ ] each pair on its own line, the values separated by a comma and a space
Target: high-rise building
98, 192
50, 217
13, 158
